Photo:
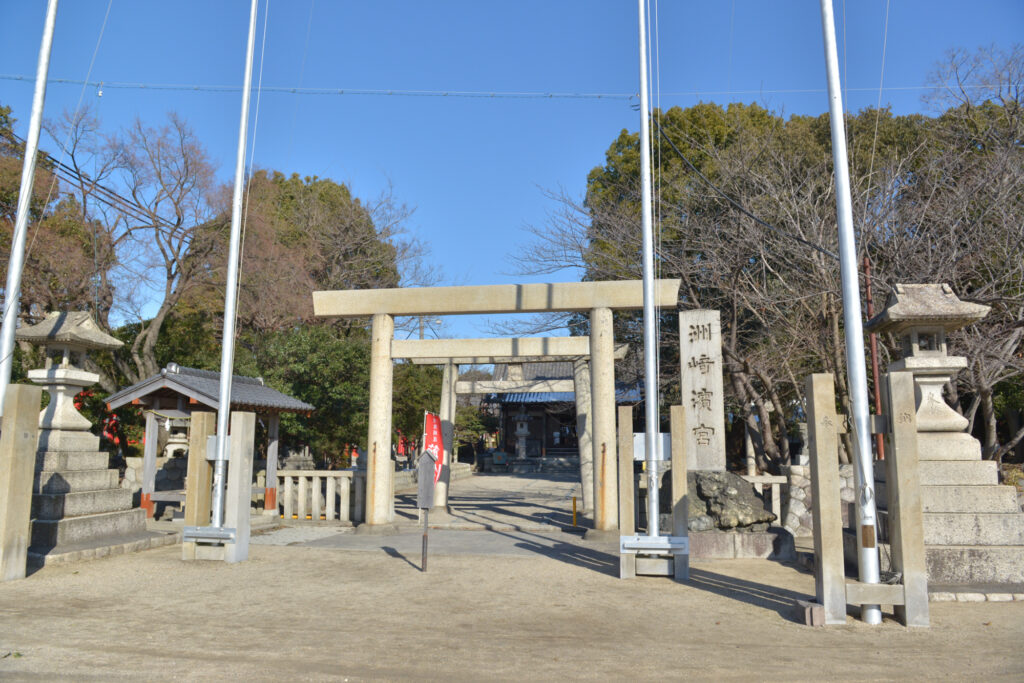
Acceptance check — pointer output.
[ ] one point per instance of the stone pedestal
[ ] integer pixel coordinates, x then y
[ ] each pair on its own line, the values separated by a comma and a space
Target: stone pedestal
80, 511
973, 529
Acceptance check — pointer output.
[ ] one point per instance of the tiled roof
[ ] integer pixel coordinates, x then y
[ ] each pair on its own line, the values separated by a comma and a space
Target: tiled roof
204, 387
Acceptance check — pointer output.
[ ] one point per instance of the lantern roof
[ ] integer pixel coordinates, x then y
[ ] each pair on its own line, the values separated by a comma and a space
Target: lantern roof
933, 305
68, 328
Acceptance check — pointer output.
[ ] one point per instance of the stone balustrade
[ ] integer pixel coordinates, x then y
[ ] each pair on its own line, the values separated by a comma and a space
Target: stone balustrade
318, 494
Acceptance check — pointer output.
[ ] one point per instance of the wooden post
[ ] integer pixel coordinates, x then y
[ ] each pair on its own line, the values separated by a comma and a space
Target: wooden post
149, 456
906, 520
273, 440
19, 440
822, 428
199, 480
680, 494
627, 489
238, 499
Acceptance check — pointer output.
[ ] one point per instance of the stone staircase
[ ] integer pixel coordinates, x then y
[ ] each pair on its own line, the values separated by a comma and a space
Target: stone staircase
973, 526
79, 510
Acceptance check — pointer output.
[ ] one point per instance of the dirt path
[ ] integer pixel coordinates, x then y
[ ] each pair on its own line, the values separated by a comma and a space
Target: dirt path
494, 605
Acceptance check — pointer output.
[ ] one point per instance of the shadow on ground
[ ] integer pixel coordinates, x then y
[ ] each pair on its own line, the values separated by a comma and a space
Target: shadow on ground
779, 600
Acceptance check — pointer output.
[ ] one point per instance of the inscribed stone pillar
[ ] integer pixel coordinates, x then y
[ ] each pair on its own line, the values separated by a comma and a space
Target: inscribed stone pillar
602, 387
447, 415
20, 437
378, 439
273, 440
700, 354
584, 431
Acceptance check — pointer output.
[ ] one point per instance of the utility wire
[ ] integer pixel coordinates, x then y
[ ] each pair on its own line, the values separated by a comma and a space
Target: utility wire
474, 94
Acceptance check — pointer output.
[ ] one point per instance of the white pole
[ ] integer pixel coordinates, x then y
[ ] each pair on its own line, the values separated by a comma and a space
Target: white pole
28, 171
867, 546
227, 357
653, 427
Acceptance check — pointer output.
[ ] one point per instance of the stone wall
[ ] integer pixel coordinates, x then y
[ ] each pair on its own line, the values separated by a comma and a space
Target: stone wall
170, 474
796, 498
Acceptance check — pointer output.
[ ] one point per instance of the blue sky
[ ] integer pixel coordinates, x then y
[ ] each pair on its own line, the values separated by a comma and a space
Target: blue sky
473, 167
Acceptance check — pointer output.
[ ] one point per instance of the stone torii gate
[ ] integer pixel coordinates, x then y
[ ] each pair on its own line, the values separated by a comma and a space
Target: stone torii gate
598, 299
579, 385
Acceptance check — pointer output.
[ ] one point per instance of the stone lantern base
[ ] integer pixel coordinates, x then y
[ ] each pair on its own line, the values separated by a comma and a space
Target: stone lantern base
79, 510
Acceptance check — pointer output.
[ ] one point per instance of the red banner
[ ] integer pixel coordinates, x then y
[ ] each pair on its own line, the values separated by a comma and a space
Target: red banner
433, 442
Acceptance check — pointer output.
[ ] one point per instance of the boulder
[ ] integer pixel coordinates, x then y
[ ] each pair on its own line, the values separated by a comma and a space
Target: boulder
718, 500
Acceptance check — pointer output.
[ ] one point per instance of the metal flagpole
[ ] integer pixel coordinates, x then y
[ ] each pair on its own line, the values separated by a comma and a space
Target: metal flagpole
652, 432
867, 547
227, 358
28, 171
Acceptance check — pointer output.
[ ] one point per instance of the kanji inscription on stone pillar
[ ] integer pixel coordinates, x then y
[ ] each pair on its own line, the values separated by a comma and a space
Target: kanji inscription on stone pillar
700, 342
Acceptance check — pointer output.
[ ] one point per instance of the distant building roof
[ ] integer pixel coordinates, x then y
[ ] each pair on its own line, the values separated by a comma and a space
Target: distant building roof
623, 394
73, 328
203, 386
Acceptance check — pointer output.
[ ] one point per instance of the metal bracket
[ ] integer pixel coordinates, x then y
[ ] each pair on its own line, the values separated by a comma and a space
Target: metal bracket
654, 545
211, 448
192, 534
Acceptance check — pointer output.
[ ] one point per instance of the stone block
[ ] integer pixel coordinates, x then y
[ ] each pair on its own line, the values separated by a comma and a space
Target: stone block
970, 597
52, 461
50, 440
960, 528
712, 545
999, 597
50, 533
942, 596
948, 446
58, 505
775, 544
954, 472
1002, 499
71, 481
809, 613
974, 564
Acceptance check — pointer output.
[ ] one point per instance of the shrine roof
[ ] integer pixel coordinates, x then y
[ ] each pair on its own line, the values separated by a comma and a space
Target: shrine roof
203, 387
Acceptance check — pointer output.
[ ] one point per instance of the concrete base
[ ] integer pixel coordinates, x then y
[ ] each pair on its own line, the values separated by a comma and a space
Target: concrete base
774, 544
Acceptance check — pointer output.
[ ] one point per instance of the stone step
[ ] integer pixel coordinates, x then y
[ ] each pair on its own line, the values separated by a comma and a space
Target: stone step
959, 528
53, 533
998, 498
966, 528
966, 564
73, 481
53, 461
58, 505
951, 472
956, 564
946, 446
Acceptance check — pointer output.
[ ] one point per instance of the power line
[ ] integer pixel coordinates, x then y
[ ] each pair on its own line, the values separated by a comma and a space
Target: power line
473, 94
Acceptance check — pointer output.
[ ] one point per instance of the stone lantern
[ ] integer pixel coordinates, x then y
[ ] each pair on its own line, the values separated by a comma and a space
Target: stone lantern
66, 338
921, 316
